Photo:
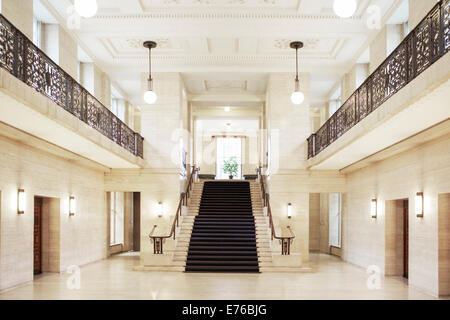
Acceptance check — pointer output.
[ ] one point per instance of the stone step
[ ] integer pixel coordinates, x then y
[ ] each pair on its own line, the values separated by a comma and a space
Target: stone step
270, 268
168, 268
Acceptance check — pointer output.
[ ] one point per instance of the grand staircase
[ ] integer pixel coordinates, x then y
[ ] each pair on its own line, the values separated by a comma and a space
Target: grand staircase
223, 236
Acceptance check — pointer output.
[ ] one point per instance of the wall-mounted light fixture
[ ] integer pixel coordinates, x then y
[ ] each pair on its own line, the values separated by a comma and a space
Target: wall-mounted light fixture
21, 201
227, 109
373, 208
160, 209
419, 205
289, 210
72, 206
150, 96
297, 96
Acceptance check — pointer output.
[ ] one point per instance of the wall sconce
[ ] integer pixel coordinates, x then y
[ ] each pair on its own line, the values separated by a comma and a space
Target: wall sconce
72, 206
289, 210
419, 204
160, 209
373, 208
21, 201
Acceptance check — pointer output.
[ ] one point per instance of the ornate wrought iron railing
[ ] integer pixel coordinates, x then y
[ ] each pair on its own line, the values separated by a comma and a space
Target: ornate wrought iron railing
21, 58
424, 45
284, 241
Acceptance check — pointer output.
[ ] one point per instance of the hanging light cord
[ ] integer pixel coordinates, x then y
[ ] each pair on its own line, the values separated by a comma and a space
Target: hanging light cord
296, 63
150, 64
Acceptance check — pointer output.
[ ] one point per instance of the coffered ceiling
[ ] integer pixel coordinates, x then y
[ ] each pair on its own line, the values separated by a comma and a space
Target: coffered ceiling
222, 45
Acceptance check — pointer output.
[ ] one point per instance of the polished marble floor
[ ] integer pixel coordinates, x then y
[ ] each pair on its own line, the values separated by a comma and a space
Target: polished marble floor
114, 279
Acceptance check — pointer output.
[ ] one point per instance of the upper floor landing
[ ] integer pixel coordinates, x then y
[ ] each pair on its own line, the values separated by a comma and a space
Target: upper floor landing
40, 98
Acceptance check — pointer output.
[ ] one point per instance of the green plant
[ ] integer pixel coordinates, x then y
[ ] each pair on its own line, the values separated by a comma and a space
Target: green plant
230, 166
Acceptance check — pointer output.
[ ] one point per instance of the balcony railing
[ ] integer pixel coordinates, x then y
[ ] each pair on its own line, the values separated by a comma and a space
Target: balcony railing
21, 58
428, 42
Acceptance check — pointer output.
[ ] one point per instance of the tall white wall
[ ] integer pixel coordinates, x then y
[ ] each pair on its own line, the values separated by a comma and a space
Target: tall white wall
82, 237
424, 169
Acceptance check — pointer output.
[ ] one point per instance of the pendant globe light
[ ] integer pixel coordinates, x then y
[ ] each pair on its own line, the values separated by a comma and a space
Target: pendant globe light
297, 96
344, 8
150, 96
86, 8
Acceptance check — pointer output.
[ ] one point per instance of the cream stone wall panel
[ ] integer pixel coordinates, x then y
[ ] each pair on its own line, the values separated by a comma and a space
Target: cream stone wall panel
154, 186
408, 106
310, 181
68, 53
162, 121
394, 238
314, 221
42, 174
128, 222
26, 109
418, 9
324, 223
291, 122
378, 49
299, 222
294, 186
424, 169
20, 14
444, 244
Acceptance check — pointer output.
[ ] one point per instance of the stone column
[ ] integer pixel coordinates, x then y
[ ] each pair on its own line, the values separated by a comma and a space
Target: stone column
61, 48
378, 49
418, 9
161, 128
96, 82
289, 127
20, 14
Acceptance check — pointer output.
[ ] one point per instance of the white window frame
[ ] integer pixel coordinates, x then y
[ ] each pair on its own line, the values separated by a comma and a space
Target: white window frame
220, 157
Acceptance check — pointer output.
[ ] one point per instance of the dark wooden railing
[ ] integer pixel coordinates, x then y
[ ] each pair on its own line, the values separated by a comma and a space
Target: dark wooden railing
285, 241
424, 45
158, 240
25, 61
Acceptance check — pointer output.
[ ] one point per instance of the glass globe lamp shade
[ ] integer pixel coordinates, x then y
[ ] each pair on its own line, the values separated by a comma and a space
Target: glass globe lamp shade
297, 97
86, 8
150, 97
344, 8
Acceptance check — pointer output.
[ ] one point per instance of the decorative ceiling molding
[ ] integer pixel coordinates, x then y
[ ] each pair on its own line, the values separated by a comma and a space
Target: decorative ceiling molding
197, 59
312, 52
219, 15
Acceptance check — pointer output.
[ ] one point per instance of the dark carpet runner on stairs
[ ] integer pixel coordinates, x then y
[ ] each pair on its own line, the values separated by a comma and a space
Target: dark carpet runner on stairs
223, 238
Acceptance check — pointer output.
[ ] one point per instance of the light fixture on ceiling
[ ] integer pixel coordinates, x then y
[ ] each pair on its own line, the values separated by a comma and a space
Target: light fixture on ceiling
227, 109
344, 8
297, 96
86, 8
150, 96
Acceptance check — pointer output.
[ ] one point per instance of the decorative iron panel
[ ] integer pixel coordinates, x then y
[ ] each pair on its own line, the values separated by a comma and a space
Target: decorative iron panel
428, 42
446, 25
21, 58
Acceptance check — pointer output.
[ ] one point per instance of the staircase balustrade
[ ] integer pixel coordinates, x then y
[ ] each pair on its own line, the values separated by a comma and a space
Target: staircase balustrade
284, 241
159, 240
